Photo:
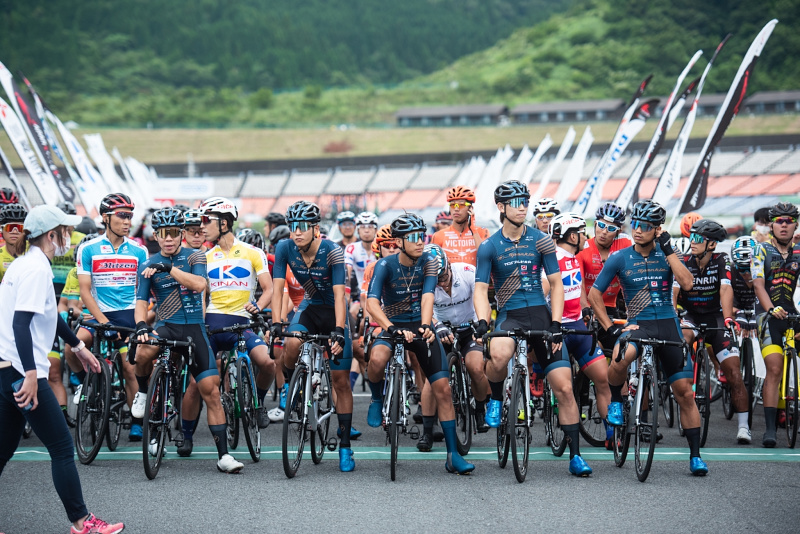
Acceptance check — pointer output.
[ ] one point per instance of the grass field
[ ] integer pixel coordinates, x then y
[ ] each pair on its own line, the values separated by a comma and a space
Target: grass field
215, 145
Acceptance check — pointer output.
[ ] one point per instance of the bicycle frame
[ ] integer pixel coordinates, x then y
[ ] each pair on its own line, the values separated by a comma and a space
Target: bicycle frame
398, 360
313, 359
788, 346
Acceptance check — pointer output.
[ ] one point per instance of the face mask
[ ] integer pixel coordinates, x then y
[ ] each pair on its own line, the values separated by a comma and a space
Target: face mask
762, 229
61, 250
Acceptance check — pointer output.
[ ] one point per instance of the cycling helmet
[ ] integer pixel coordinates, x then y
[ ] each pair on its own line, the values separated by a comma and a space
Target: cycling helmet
8, 196
442, 265
406, 224
67, 207
86, 226
275, 218
563, 223
13, 213
743, 250
384, 234
610, 213
220, 205
303, 211
167, 218
115, 201
251, 237
460, 192
688, 220
192, 217
682, 245
278, 233
366, 218
546, 205
182, 207
649, 211
87, 238
783, 209
345, 216
711, 230
511, 189
444, 216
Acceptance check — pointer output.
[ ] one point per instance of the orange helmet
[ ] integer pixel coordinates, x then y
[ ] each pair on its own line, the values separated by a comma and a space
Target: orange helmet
688, 220
460, 192
383, 235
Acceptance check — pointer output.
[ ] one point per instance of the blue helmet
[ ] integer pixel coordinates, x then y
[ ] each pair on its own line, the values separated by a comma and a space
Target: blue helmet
192, 217
610, 213
407, 223
167, 218
345, 216
303, 211
511, 189
649, 211
441, 258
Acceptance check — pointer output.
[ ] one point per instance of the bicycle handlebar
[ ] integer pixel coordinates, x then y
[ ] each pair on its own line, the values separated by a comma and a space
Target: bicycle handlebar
649, 341
237, 328
519, 332
106, 327
163, 342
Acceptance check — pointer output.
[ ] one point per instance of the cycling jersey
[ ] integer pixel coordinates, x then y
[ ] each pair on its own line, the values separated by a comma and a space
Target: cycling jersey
233, 277
459, 247
400, 288
357, 258
591, 263
293, 288
779, 274
704, 297
113, 272
744, 296
327, 270
367, 278
62, 265
646, 283
515, 267
72, 289
457, 307
572, 280
175, 303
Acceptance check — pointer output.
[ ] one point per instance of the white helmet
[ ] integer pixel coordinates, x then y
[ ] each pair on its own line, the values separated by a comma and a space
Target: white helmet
365, 218
219, 205
564, 222
546, 205
681, 245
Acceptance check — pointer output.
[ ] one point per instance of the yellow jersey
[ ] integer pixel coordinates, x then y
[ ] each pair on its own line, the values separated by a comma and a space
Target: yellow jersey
5, 260
233, 277
72, 290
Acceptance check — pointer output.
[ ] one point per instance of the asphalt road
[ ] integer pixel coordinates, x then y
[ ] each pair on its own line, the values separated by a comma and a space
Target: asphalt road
748, 489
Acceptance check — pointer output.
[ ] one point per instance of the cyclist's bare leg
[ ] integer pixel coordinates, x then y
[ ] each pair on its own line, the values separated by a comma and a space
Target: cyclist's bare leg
598, 374
618, 370
343, 393
55, 382
731, 367
772, 382
378, 358
684, 396
501, 350
266, 366
291, 350
560, 380
444, 399
209, 391
477, 372
190, 406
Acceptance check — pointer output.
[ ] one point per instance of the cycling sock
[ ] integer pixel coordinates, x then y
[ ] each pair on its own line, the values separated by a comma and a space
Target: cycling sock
377, 390
742, 417
480, 406
188, 429
353, 378
573, 439
261, 394
497, 390
220, 439
427, 424
449, 430
345, 424
770, 415
693, 437
616, 392
142, 381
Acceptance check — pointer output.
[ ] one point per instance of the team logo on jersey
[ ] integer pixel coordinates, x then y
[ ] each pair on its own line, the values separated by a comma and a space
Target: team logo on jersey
794, 266
572, 279
218, 255
654, 283
229, 272
628, 273
106, 249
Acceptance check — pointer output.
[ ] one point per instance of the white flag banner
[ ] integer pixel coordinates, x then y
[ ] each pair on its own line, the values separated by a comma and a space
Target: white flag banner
530, 169
492, 176
566, 145
575, 167
521, 162
105, 164
93, 181
12, 176
141, 189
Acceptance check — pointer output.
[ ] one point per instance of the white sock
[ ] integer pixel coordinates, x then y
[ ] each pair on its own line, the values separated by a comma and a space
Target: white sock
743, 420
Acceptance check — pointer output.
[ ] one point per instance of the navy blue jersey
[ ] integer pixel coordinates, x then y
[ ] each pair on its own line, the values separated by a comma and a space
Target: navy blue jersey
327, 270
174, 303
704, 297
400, 288
646, 283
516, 267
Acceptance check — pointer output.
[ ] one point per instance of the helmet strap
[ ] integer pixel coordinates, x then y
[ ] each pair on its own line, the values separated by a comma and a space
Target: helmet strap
705, 252
509, 220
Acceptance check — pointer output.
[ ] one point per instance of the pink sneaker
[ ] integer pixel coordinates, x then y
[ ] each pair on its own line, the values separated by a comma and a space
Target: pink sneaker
93, 525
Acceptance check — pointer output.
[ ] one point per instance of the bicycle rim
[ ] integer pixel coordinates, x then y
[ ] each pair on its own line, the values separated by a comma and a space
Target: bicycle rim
461, 405
154, 429
228, 400
591, 422
667, 404
294, 423
748, 377
117, 402
620, 445
520, 436
394, 420
247, 405
644, 448
791, 399
703, 394
555, 435
93, 410
323, 406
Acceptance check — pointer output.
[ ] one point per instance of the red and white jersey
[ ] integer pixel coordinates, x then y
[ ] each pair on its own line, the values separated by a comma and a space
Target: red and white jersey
573, 284
357, 258
592, 263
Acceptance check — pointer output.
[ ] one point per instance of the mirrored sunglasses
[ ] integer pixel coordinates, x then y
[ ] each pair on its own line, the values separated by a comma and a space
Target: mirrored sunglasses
11, 227
303, 226
205, 219
642, 225
605, 226
171, 232
543, 216
416, 237
519, 202
389, 246
458, 204
784, 220
124, 215
696, 238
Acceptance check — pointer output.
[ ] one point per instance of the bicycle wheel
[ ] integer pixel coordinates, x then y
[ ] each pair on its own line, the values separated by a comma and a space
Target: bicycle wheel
503, 441
92, 423
647, 429
521, 435
394, 419
323, 403
117, 401
792, 398
592, 427
247, 407
227, 395
667, 402
622, 440
154, 427
748, 376
727, 402
555, 435
702, 395
461, 404
294, 423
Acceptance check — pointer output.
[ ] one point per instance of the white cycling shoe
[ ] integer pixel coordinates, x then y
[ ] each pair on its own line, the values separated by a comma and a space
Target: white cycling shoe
228, 464
138, 406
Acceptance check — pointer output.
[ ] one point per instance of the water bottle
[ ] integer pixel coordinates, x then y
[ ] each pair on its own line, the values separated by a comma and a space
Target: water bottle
633, 383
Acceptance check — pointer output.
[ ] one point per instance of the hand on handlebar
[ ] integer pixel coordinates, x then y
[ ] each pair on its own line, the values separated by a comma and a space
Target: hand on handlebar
276, 329
557, 336
337, 341
142, 331
731, 323
428, 333
778, 312
444, 333
481, 329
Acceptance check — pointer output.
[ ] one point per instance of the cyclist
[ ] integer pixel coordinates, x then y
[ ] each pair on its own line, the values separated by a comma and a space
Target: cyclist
744, 296
569, 232
461, 240
274, 219
543, 212
775, 272
7, 196
443, 221
405, 284
12, 218
514, 258
346, 220
318, 264
193, 231
645, 272
761, 226
107, 274
176, 278
710, 302
356, 258
235, 270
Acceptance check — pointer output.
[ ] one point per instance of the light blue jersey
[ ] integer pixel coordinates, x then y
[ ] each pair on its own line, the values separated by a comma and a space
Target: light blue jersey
113, 272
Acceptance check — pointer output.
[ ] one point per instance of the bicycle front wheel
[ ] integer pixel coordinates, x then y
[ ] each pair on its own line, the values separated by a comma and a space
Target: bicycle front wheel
702, 394
667, 402
92, 423
647, 430
748, 376
117, 401
461, 404
323, 402
518, 420
592, 427
247, 407
154, 429
394, 419
792, 398
555, 435
294, 423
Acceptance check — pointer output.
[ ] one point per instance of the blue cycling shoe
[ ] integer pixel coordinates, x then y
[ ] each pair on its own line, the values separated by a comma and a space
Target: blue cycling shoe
493, 409
615, 414
136, 433
354, 434
579, 467
284, 392
698, 467
346, 462
374, 415
457, 464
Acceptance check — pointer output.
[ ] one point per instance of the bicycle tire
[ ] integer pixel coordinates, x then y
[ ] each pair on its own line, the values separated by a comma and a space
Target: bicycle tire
503, 444
645, 450
394, 420
703, 393
461, 404
620, 444
181, 383
92, 423
247, 406
667, 402
590, 421
227, 396
792, 399
154, 427
521, 435
323, 405
727, 402
294, 423
556, 437
117, 402
748, 377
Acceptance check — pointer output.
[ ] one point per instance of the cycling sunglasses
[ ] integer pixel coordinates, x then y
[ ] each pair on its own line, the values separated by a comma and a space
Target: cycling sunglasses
10, 227
458, 204
389, 246
194, 231
205, 219
416, 237
303, 226
171, 232
543, 216
696, 238
124, 215
642, 225
784, 220
347, 224
519, 202
605, 226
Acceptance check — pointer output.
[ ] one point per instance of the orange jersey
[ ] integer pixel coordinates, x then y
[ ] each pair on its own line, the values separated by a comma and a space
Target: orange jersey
460, 248
365, 284
293, 287
591, 263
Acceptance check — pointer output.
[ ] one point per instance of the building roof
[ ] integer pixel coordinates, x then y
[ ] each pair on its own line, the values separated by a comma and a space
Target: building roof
452, 111
771, 97
569, 106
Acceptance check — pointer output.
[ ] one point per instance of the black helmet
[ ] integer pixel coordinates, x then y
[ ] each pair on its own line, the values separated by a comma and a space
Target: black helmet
711, 230
115, 201
87, 238
610, 212
13, 212
8, 196
275, 218
167, 218
86, 226
649, 211
511, 189
278, 233
783, 209
303, 211
251, 237
192, 217
67, 207
406, 224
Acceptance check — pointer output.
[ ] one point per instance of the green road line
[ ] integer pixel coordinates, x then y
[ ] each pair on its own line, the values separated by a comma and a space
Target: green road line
34, 454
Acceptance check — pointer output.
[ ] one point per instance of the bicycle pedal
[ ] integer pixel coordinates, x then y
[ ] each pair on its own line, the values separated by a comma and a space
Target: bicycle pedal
332, 443
413, 432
